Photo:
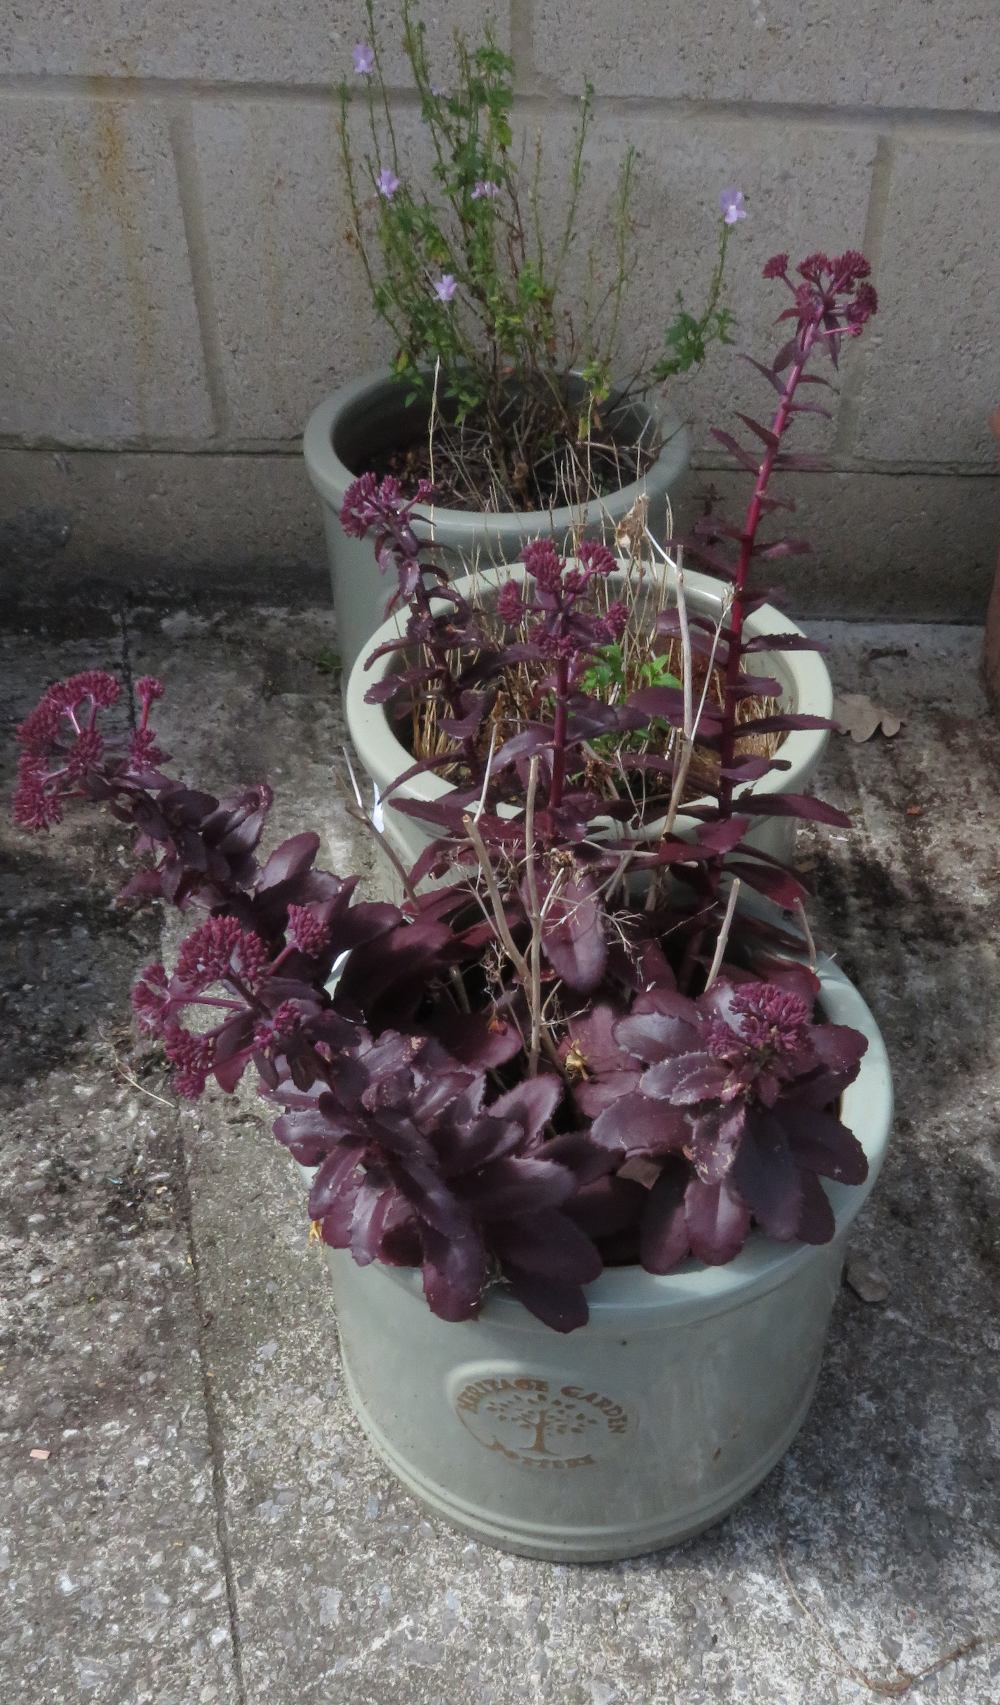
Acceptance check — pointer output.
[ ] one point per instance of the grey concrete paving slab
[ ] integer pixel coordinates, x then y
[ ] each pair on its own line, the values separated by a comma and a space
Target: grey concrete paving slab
872, 1552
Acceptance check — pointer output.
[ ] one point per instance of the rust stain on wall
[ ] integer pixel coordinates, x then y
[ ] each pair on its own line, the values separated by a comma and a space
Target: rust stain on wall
273, 263
122, 193
98, 161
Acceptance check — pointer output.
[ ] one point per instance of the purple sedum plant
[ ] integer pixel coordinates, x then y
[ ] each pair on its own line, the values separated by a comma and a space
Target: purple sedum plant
733, 1092
530, 1070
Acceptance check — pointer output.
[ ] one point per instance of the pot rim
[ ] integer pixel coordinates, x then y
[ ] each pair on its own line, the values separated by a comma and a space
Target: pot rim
696, 1291
807, 675
331, 476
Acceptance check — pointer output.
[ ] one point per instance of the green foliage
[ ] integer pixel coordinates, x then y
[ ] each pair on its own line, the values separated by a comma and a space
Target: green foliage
474, 217
608, 673
328, 661
686, 339
611, 677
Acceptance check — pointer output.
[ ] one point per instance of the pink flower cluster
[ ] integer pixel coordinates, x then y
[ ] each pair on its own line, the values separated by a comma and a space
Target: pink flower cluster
192, 1057
223, 965
371, 504
60, 742
564, 631
835, 294
306, 931
771, 1018
218, 951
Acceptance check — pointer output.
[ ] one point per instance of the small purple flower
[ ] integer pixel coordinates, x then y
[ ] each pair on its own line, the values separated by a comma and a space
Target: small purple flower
438, 92
445, 287
364, 59
485, 190
387, 183
731, 203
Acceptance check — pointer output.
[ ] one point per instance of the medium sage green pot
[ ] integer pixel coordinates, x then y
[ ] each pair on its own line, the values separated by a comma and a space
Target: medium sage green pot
643, 1427
364, 420
806, 689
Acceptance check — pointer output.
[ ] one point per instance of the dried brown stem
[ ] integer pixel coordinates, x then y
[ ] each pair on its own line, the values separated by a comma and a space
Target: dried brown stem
520, 963
723, 936
535, 918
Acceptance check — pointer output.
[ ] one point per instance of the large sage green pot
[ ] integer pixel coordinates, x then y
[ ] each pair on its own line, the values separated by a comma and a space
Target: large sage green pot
363, 420
644, 1426
806, 689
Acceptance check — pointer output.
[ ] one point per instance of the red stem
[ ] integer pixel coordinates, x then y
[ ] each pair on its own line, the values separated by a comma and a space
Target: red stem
715, 865
559, 735
747, 542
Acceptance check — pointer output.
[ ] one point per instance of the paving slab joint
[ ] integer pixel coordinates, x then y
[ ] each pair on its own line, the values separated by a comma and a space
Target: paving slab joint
213, 1423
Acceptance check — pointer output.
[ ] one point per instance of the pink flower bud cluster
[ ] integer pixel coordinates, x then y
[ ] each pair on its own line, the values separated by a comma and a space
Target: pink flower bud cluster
306, 930
270, 1032
192, 1057
217, 952
567, 631
60, 744
376, 504
222, 965
835, 295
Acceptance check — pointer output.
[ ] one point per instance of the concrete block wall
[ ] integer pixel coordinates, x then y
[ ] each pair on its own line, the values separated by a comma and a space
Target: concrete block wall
176, 292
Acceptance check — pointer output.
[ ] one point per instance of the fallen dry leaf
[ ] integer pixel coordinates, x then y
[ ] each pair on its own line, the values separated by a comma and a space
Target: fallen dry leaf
861, 718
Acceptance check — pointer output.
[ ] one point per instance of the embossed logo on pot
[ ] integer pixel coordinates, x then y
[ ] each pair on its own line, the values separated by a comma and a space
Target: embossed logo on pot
541, 1423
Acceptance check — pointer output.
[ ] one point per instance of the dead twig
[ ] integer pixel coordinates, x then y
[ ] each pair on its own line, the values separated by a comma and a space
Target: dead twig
887, 1687
510, 946
810, 939
535, 951
723, 936
141, 1087
521, 966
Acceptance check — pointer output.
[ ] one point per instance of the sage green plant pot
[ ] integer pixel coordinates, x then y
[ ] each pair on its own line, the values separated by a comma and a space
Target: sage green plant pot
367, 418
644, 1426
806, 689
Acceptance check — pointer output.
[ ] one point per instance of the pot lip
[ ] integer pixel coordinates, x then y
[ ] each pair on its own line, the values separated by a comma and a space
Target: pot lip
630, 1295
802, 748
331, 476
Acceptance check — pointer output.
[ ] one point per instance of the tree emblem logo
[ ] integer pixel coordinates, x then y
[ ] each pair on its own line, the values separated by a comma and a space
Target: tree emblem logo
541, 1423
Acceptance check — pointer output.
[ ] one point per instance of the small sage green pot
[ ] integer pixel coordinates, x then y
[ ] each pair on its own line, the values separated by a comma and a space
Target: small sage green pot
806, 689
364, 420
644, 1426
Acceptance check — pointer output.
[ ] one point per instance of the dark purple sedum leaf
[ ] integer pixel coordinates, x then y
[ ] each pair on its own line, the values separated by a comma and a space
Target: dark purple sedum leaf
573, 933
463, 1175
737, 1073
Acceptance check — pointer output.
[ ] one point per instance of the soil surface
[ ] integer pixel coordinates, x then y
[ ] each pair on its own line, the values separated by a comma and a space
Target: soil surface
532, 466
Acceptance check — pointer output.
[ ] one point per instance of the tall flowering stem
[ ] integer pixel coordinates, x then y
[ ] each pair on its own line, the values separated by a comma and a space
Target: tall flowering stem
832, 303
564, 632
832, 300
377, 509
